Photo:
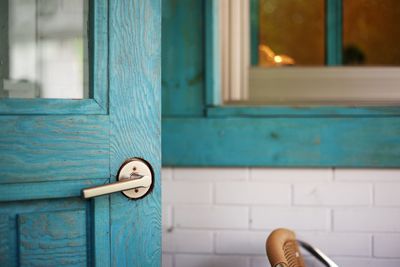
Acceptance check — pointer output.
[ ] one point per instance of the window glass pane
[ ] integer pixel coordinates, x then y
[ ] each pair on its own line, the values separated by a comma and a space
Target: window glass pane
371, 32
44, 49
291, 32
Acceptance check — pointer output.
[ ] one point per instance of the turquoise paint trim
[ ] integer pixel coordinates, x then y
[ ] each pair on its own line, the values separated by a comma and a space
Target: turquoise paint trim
302, 111
282, 142
100, 207
183, 52
99, 60
50, 148
254, 31
43, 106
98, 77
334, 44
135, 85
213, 58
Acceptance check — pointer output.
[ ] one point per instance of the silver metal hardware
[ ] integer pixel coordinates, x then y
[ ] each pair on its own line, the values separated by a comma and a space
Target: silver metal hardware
135, 179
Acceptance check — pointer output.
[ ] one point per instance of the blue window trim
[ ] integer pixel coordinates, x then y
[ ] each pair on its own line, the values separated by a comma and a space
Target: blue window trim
198, 132
98, 101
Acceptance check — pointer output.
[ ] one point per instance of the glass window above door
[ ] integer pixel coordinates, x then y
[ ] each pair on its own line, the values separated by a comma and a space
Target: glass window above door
44, 49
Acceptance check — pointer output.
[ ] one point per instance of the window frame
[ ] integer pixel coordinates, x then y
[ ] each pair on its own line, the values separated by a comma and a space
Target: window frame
97, 103
198, 131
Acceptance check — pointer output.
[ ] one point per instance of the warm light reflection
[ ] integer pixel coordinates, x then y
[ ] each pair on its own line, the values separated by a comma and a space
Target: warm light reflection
268, 58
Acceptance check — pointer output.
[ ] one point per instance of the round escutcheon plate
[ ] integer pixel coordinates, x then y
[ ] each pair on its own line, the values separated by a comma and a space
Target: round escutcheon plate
136, 168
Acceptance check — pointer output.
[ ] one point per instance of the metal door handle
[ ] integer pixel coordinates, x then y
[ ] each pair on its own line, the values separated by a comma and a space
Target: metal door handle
135, 179
123, 185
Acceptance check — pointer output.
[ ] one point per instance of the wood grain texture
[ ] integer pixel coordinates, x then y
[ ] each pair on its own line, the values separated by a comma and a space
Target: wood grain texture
42, 106
135, 92
52, 238
100, 216
99, 53
282, 142
183, 57
48, 148
9, 211
5, 250
47, 190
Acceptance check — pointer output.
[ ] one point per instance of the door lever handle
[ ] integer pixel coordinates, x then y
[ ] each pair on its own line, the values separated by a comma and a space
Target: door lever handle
122, 185
135, 179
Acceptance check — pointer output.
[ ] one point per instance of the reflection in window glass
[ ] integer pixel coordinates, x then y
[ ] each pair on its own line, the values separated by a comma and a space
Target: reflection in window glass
44, 49
371, 32
292, 32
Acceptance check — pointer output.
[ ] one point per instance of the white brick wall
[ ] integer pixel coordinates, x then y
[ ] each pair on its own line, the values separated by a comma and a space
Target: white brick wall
221, 216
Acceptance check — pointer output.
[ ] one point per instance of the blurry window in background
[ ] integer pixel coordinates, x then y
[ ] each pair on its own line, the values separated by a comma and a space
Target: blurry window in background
371, 32
310, 52
291, 32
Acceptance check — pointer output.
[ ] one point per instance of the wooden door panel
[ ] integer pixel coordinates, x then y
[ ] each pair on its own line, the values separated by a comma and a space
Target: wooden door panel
49, 148
57, 232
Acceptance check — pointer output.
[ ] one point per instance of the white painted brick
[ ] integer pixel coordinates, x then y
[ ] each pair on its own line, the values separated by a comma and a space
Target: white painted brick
339, 244
218, 217
366, 262
241, 242
197, 241
210, 261
387, 194
351, 194
387, 245
290, 175
289, 217
253, 193
211, 174
179, 192
367, 174
166, 174
167, 260
166, 217
367, 219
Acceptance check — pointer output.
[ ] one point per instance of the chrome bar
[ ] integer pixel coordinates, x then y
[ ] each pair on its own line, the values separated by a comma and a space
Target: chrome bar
143, 182
318, 254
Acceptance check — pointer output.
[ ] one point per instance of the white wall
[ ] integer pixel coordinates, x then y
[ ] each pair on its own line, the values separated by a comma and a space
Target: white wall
220, 217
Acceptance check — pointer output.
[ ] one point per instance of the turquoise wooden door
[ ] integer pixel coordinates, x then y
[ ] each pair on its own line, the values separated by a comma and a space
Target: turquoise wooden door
52, 149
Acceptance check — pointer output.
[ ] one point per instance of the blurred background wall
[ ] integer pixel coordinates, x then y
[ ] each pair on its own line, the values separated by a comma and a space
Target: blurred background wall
222, 216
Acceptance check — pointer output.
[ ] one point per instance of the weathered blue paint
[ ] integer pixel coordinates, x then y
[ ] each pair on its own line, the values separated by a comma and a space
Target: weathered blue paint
51, 149
98, 104
213, 57
135, 112
282, 142
183, 63
333, 32
16, 226
62, 234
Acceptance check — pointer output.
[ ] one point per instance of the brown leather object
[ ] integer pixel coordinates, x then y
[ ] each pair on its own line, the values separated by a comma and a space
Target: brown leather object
283, 250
